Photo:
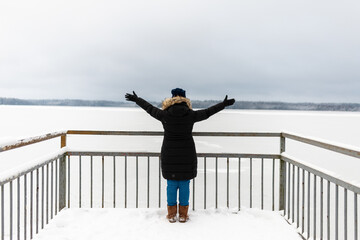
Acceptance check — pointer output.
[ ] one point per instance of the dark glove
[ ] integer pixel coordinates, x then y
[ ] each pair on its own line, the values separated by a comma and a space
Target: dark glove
228, 102
131, 97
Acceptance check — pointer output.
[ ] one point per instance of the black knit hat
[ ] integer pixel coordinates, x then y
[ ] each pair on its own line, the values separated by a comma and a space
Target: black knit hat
178, 92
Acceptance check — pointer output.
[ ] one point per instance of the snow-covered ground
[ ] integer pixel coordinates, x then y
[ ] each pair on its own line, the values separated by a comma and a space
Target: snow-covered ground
131, 224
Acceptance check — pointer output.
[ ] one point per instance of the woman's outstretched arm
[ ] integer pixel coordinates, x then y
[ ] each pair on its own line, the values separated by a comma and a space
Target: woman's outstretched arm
150, 109
206, 113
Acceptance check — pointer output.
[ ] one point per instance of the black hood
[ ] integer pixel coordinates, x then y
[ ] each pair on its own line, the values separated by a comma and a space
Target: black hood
179, 109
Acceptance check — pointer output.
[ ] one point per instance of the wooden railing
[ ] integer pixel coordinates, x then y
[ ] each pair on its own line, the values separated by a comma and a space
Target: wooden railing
53, 184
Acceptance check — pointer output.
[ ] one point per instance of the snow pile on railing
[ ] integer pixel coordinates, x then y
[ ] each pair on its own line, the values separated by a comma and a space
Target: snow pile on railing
27, 141
13, 173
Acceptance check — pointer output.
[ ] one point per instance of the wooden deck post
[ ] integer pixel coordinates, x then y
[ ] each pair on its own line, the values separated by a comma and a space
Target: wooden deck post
282, 177
62, 176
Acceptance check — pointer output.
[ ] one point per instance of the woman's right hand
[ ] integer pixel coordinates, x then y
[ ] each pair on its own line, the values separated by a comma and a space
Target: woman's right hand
131, 97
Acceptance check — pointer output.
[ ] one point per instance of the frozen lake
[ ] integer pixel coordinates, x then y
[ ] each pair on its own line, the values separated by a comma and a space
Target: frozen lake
26, 121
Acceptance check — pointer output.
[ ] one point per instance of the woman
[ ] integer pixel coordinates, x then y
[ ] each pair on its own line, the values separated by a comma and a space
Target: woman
178, 154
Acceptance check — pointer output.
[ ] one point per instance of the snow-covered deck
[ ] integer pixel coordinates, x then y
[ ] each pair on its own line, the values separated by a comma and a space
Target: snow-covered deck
87, 224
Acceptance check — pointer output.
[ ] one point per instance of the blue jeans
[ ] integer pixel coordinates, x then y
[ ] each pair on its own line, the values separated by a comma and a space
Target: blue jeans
184, 192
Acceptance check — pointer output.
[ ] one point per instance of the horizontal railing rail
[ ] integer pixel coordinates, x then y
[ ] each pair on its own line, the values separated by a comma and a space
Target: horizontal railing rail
161, 133
323, 144
157, 154
311, 141
32, 140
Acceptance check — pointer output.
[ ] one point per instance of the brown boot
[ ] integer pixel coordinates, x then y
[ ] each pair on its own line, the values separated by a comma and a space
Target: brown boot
183, 213
172, 210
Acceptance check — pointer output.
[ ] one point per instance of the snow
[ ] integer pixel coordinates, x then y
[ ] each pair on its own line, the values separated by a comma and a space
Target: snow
88, 224
5, 141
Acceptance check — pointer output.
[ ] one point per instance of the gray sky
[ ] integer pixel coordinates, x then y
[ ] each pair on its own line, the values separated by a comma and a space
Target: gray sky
271, 50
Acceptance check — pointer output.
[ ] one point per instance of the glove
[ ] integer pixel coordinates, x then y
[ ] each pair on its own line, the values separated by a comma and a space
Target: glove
228, 102
131, 97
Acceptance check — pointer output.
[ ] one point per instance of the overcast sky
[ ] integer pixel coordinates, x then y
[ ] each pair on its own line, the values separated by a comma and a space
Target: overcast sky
271, 50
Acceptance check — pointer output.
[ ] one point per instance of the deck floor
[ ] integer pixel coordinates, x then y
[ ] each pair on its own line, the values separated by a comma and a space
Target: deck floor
150, 224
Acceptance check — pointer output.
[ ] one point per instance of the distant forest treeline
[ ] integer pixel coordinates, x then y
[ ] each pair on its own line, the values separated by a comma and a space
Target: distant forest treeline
196, 104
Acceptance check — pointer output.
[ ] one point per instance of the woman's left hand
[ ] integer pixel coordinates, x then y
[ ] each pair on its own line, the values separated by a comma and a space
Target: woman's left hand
228, 102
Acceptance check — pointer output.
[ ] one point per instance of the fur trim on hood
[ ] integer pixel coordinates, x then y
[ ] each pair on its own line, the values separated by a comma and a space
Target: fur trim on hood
174, 100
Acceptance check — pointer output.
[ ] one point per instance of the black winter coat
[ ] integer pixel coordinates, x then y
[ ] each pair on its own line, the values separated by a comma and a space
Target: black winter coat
178, 154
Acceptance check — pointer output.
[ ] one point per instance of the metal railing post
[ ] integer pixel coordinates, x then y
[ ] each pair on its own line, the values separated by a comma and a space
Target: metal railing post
62, 177
282, 177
